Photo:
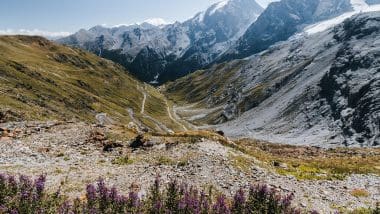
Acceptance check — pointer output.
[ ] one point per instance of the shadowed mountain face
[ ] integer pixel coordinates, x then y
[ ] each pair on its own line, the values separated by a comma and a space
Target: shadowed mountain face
160, 53
322, 89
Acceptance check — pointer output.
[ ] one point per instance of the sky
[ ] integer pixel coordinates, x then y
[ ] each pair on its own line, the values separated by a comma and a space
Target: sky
62, 17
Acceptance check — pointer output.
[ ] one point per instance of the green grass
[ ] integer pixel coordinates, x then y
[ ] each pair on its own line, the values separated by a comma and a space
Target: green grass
201, 86
123, 160
164, 160
40, 80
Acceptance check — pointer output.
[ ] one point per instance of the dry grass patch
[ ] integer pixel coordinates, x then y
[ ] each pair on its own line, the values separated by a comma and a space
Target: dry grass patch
359, 193
313, 163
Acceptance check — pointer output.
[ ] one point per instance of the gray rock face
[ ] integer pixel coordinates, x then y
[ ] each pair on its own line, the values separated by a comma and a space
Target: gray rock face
345, 103
352, 86
161, 53
280, 21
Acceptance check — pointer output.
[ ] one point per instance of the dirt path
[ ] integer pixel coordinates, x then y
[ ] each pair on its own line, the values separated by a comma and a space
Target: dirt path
143, 102
176, 120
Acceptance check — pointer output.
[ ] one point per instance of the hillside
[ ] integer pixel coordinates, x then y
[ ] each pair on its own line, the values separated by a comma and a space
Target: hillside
40, 80
319, 89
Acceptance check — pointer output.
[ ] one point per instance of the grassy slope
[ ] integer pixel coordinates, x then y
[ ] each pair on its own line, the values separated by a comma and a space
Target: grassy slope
40, 80
202, 86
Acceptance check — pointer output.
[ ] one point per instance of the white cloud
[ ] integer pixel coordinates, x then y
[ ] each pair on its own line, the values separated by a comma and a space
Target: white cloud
34, 32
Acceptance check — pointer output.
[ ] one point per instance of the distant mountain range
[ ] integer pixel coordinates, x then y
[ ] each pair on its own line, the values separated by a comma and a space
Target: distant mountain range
157, 54
231, 29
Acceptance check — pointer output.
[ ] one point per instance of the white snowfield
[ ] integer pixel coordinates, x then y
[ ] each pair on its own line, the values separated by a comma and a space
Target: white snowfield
359, 6
219, 6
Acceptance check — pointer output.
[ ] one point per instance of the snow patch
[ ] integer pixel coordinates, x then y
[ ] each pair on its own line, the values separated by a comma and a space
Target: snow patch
219, 6
200, 16
359, 6
152, 21
157, 21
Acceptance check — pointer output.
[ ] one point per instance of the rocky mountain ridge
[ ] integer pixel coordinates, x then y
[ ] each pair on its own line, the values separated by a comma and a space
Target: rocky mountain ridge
283, 19
158, 54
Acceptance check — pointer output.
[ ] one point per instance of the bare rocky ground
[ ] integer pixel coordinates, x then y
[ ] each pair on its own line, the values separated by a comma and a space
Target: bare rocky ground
72, 155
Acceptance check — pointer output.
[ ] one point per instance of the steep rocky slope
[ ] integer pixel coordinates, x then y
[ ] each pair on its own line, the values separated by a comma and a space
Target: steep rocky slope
160, 53
40, 80
320, 89
285, 18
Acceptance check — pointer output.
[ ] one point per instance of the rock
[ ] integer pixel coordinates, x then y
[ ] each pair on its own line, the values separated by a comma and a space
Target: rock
96, 136
220, 132
103, 119
108, 147
138, 142
279, 165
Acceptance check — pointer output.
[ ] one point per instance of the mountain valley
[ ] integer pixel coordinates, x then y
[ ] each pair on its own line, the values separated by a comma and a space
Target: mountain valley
240, 109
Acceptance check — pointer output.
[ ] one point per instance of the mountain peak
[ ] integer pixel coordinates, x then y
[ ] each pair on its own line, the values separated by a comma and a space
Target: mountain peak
218, 6
157, 22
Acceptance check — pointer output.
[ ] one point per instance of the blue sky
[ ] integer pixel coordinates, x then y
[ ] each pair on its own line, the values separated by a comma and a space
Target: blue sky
60, 16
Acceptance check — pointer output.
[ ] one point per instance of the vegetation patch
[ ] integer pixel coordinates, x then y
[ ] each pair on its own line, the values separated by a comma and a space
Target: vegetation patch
312, 163
360, 193
123, 160
25, 195
241, 162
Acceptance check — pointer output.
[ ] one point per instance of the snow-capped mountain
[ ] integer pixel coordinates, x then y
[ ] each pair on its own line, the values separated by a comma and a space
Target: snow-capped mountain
321, 89
160, 53
283, 19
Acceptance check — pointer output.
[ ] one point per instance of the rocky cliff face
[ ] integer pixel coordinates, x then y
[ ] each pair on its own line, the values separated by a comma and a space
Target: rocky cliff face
352, 85
161, 53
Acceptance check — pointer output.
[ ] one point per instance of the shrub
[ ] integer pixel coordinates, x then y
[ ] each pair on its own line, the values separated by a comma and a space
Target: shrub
26, 195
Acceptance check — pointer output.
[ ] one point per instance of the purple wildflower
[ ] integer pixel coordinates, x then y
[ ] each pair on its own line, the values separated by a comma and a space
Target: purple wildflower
239, 202
287, 200
40, 185
220, 206
91, 193
14, 211
204, 203
113, 194
158, 206
65, 208
133, 200
12, 184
